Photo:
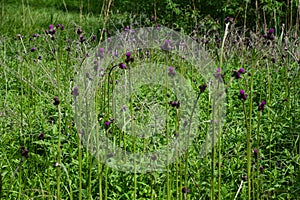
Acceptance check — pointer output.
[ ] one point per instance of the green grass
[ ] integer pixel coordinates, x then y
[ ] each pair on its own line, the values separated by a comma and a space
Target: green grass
60, 167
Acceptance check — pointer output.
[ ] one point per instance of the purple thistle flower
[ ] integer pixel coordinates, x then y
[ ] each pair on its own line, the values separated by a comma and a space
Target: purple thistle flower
50, 26
56, 101
107, 124
175, 104
242, 70
100, 53
82, 39
33, 49
202, 88
166, 46
126, 28
228, 20
24, 152
19, 36
68, 49
236, 74
171, 71
75, 92
128, 54
79, 31
261, 105
93, 38
185, 190
255, 152
62, 27
122, 66
57, 25
271, 31
242, 95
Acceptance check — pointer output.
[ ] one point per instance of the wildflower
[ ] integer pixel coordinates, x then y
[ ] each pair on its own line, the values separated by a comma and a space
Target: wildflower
261, 105
57, 25
166, 46
33, 49
122, 66
75, 92
107, 124
128, 54
202, 88
68, 49
40, 57
255, 152
82, 39
271, 31
93, 38
236, 74
228, 20
35, 35
51, 30
244, 178
242, 95
24, 152
56, 101
185, 190
126, 28
171, 71
19, 36
175, 104
100, 53
242, 70
79, 31
62, 27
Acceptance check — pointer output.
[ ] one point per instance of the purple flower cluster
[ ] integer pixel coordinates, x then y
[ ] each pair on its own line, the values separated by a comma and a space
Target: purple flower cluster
261, 105
175, 104
166, 46
228, 20
202, 88
107, 123
172, 72
237, 73
75, 92
24, 152
128, 57
56, 101
270, 34
243, 95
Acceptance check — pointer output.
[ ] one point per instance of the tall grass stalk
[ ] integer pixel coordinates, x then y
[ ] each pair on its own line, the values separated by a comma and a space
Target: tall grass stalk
59, 128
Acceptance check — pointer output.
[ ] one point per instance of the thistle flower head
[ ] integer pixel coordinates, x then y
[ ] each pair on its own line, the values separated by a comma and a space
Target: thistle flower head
56, 101
171, 71
75, 92
242, 70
